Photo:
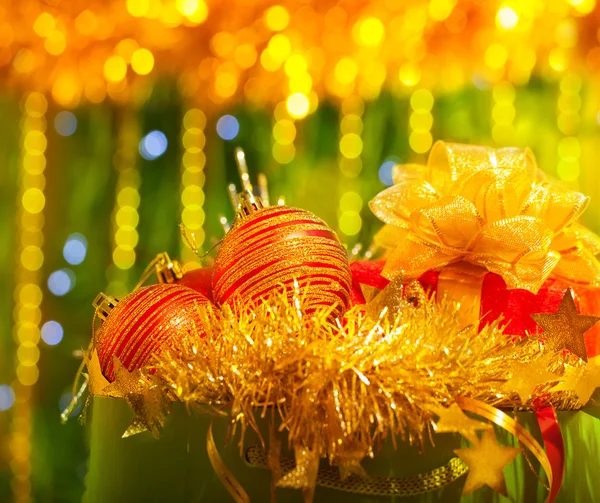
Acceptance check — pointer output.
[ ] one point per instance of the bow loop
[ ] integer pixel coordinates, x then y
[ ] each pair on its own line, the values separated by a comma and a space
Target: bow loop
489, 207
413, 194
452, 222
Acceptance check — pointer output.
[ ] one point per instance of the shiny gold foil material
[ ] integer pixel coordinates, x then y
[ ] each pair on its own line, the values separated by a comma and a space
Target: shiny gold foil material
584, 381
526, 377
488, 207
148, 400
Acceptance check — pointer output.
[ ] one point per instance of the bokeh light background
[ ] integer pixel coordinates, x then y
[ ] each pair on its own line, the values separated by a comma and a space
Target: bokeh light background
119, 120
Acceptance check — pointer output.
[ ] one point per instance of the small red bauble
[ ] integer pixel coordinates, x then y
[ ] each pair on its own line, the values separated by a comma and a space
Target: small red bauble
171, 271
145, 322
199, 280
275, 246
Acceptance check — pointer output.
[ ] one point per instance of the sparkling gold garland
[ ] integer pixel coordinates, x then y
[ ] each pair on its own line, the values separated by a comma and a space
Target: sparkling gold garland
355, 382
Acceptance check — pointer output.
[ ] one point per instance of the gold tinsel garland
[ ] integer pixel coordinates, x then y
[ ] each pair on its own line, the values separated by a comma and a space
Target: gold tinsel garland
351, 384
386, 370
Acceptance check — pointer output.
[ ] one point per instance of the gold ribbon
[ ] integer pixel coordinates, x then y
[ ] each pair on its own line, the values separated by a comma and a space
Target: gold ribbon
488, 207
234, 488
462, 283
509, 424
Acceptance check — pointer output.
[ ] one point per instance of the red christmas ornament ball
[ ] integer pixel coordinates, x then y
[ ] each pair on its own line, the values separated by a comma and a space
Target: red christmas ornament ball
275, 246
199, 280
146, 322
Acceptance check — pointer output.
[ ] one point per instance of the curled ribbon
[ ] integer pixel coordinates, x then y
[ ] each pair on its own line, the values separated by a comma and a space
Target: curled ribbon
234, 488
491, 208
506, 422
548, 422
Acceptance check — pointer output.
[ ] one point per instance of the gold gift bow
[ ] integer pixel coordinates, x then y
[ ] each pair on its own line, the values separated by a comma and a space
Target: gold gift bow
489, 207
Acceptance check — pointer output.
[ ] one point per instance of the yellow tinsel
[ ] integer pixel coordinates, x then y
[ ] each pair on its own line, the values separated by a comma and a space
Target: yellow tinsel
340, 388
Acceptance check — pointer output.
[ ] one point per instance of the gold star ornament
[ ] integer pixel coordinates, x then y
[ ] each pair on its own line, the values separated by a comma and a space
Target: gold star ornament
97, 383
147, 400
453, 420
486, 461
526, 377
583, 381
566, 327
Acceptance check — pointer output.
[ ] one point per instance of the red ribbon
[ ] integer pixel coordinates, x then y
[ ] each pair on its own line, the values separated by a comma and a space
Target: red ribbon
515, 306
555, 448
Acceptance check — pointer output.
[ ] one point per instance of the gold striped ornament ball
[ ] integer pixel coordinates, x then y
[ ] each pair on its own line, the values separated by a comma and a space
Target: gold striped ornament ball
146, 322
272, 248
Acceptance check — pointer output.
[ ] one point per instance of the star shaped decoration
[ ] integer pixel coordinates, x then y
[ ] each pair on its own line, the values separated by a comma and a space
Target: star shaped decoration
391, 297
304, 475
486, 461
125, 382
97, 383
453, 420
525, 377
565, 328
147, 399
583, 381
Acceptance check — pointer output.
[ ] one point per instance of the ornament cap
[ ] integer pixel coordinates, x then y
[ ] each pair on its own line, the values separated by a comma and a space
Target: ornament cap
104, 304
246, 203
167, 270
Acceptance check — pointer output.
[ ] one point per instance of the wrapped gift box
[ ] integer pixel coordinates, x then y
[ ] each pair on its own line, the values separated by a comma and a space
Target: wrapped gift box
495, 300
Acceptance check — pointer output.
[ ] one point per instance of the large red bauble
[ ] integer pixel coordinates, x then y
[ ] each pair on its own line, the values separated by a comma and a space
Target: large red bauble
146, 322
274, 247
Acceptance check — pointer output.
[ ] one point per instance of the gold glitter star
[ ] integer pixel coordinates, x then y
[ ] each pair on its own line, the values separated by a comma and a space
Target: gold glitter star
525, 377
147, 400
486, 461
454, 420
97, 383
566, 327
125, 382
304, 476
583, 381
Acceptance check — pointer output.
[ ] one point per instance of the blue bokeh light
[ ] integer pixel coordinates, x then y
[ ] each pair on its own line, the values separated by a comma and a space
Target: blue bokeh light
61, 282
385, 171
228, 127
65, 123
75, 249
153, 145
7, 397
52, 332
